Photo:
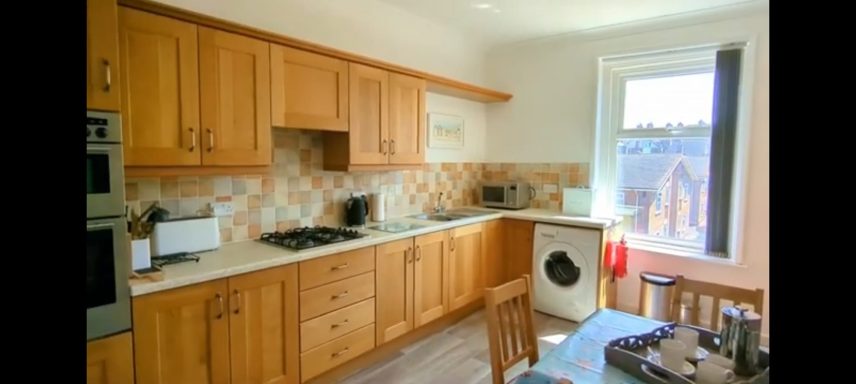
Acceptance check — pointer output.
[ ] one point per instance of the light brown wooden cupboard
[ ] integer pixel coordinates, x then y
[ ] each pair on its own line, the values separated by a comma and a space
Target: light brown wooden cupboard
517, 241
466, 277
308, 90
192, 96
110, 360
386, 122
102, 56
237, 330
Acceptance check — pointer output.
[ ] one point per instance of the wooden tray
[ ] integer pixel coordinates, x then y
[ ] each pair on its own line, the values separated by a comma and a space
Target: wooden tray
630, 354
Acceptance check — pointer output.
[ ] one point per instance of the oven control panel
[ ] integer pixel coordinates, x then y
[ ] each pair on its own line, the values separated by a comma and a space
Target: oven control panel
103, 127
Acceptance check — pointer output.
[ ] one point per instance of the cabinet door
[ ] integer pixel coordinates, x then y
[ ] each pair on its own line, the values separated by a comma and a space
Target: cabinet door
102, 55
160, 90
369, 103
308, 90
109, 360
493, 264
406, 119
518, 247
466, 280
431, 284
234, 72
182, 335
394, 291
263, 326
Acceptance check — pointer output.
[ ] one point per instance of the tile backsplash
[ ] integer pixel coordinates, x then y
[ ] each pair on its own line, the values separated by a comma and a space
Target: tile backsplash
299, 193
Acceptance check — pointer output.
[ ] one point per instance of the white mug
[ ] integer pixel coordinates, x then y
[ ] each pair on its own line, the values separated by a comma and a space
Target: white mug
710, 373
690, 338
721, 361
672, 354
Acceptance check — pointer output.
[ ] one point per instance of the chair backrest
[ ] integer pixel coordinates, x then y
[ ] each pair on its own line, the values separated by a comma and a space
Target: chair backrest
717, 292
511, 334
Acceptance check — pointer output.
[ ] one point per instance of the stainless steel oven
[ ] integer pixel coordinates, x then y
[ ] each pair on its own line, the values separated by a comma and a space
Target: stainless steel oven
104, 167
108, 301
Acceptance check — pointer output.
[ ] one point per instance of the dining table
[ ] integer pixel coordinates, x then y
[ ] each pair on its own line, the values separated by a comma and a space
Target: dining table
579, 359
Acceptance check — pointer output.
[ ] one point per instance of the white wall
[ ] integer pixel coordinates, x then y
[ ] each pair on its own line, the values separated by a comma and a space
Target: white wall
554, 82
366, 27
475, 128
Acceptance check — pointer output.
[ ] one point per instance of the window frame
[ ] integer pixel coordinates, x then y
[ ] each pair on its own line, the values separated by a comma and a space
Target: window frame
613, 71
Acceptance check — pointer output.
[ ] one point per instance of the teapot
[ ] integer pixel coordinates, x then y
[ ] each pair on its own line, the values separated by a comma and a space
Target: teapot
740, 339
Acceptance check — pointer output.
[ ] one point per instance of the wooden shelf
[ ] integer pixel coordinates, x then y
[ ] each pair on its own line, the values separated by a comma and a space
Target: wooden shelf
436, 84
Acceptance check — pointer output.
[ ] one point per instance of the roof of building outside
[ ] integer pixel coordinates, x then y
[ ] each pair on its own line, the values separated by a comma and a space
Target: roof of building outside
646, 171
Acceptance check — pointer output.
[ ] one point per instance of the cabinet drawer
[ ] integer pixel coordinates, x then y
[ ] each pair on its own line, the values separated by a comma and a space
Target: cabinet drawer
336, 352
326, 269
330, 297
337, 323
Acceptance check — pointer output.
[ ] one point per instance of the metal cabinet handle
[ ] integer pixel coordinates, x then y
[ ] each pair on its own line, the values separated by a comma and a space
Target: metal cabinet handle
339, 296
192, 139
337, 325
452, 243
392, 147
219, 298
210, 140
383, 146
409, 254
237, 301
338, 267
418, 253
337, 354
108, 76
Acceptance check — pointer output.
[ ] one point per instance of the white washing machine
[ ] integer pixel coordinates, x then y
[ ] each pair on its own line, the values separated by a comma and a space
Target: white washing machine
564, 269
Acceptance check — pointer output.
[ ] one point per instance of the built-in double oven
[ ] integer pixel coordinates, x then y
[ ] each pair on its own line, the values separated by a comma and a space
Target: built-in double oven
108, 301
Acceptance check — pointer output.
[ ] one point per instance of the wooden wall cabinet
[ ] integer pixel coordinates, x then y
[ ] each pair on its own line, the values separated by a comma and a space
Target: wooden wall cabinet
192, 96
308, 90
102, 56
386, 123
237, 330
110, 360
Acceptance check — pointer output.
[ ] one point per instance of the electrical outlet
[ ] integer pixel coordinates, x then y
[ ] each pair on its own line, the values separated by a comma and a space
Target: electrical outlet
223, 209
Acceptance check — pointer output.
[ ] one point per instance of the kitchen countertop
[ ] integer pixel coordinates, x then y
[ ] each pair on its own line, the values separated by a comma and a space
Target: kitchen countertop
253, 255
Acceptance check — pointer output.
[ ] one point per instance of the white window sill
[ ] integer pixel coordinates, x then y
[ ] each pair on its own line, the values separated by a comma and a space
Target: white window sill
683, 253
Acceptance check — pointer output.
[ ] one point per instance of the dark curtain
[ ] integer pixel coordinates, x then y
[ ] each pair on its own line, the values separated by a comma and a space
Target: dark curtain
722, 140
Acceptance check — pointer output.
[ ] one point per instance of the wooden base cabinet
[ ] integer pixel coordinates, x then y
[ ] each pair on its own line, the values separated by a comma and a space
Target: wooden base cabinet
110, 360
466, 278
518, 243
237, 330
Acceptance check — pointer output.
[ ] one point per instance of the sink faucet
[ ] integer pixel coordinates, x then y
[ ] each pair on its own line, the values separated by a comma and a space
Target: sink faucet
439, 208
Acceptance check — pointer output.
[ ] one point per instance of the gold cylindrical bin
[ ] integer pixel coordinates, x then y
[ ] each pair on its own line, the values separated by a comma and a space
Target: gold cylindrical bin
655, 295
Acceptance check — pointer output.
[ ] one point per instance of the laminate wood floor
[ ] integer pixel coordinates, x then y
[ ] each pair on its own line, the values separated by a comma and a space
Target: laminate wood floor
460, 354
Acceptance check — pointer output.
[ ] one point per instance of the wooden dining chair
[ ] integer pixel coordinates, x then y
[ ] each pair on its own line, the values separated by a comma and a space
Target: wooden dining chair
717, 292
511, 333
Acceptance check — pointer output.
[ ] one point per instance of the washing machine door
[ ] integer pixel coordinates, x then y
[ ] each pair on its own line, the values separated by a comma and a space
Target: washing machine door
563, 266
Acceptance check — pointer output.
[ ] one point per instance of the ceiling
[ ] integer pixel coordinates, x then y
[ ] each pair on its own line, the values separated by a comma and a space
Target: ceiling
498, 22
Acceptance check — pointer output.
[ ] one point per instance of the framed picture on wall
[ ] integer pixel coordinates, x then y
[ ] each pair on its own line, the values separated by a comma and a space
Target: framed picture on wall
445, 131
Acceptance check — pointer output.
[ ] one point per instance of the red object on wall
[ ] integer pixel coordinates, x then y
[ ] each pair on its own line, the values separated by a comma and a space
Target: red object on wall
616, 257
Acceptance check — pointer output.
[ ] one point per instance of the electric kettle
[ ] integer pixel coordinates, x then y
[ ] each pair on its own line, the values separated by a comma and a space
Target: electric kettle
356, 210
740, 339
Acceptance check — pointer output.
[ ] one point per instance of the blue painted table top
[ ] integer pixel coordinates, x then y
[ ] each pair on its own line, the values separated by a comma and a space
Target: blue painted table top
580, 358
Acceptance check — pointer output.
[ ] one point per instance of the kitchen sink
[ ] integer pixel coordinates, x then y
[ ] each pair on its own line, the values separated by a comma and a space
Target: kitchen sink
454, 214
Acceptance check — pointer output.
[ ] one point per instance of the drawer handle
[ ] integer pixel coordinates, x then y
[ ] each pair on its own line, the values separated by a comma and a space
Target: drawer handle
334, 326
418, 253
338, 267
219, 298
409, 254
339, 296
340, 353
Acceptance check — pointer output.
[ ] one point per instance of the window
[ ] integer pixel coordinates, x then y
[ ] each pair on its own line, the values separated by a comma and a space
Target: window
668, 122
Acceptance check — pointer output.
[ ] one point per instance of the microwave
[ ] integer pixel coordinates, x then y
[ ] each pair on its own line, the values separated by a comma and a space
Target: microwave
506, 194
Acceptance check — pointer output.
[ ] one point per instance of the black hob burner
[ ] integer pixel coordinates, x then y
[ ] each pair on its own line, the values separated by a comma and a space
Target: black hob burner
309, 237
